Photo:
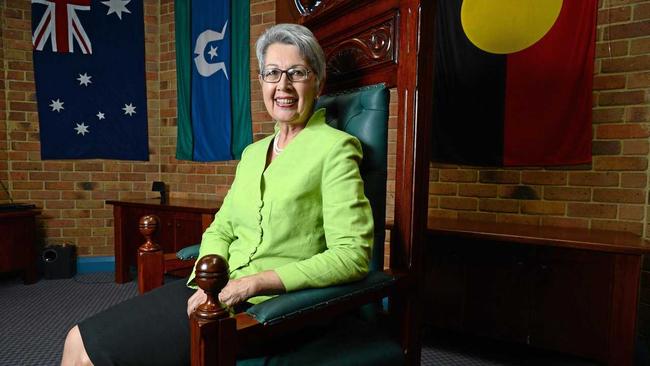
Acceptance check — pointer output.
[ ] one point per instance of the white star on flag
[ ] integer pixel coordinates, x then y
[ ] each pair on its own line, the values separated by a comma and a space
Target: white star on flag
82, 129
129, 109
212, 52
84, 79
100, 115
117, 7
57, 105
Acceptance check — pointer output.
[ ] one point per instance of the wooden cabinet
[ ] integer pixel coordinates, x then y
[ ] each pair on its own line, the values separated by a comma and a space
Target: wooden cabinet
18, 243
496, 291
573, 291
182, 223
443, 292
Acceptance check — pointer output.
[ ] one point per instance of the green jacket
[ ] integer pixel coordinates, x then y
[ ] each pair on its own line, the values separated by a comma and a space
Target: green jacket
305, 216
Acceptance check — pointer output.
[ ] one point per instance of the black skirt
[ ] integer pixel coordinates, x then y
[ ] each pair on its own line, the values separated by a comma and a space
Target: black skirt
151, 329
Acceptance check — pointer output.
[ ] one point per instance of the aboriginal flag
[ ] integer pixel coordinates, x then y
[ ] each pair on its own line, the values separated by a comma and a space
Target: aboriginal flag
513, 82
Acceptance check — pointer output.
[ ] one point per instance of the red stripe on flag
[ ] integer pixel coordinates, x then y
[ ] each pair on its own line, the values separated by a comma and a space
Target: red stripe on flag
61, 26
46, 24
82, 43
548, 93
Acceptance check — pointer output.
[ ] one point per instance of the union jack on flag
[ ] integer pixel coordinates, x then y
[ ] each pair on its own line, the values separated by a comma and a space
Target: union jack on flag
60, 24
90, 79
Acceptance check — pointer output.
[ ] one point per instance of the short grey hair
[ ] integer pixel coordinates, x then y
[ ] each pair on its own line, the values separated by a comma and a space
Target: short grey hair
296, 35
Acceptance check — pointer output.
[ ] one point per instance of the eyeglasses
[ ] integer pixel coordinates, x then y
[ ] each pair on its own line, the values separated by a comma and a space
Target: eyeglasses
294, 74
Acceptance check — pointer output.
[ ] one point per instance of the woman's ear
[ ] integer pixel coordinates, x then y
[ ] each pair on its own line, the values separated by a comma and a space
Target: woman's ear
321, 87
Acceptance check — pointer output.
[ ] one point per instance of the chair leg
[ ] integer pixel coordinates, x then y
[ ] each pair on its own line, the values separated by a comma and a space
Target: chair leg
213, 341
151, 268
213, 332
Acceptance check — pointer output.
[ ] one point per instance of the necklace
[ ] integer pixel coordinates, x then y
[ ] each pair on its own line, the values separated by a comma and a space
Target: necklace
276, 149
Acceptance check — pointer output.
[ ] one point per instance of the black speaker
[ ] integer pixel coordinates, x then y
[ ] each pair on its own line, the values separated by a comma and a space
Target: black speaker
162, 188
59, 261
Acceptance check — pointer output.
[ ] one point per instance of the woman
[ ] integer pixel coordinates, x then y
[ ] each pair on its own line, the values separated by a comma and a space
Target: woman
295, 217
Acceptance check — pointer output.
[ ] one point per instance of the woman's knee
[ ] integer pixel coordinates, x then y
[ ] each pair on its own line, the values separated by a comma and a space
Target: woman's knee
74, 352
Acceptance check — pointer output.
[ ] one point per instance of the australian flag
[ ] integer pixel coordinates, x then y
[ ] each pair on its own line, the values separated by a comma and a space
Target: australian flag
90, 79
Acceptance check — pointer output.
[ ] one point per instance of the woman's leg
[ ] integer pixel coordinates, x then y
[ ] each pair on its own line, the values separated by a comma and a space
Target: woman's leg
74, 353
150, 329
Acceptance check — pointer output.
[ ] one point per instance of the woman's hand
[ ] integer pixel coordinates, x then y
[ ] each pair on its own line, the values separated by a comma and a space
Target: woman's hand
195, 300
242, 289
236, 291
239, 290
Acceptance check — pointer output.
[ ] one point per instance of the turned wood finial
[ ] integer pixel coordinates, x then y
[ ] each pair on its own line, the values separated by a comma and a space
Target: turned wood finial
148, 225
211, 277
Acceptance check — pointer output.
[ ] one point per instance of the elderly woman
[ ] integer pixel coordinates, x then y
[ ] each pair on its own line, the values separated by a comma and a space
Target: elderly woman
295, 217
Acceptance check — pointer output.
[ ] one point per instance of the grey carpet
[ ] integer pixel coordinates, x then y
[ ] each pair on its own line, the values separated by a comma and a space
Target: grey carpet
36, 318
454, 350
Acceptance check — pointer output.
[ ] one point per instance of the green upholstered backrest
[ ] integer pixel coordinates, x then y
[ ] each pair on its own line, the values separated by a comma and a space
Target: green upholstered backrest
363, 113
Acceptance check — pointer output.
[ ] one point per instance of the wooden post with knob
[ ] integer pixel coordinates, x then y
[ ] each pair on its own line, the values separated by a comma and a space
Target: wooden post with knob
151, 264
212, 330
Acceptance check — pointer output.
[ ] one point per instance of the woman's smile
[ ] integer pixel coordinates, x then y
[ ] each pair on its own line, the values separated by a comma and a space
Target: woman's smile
286, 102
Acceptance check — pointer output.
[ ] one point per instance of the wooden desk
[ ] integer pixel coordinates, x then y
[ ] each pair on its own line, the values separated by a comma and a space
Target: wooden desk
570, 290
18, 243
182, 223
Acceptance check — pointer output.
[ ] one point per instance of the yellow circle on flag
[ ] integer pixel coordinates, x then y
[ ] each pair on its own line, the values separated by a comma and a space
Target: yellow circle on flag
507, 26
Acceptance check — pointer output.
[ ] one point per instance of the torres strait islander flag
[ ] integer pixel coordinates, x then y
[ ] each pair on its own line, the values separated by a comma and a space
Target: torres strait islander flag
90, 79
213, 79
513, 82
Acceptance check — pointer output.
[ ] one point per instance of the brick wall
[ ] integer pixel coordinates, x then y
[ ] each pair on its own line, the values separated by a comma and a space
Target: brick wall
3, 114
611, 192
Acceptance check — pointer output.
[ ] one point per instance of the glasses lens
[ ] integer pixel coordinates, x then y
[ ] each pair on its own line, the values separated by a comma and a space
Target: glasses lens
298, 74
271, 75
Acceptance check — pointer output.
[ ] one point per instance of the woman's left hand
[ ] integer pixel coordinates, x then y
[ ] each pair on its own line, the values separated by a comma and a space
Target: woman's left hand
237, 291
242, 289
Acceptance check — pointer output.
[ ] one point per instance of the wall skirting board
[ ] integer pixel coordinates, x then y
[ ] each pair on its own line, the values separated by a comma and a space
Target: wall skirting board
95, 264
